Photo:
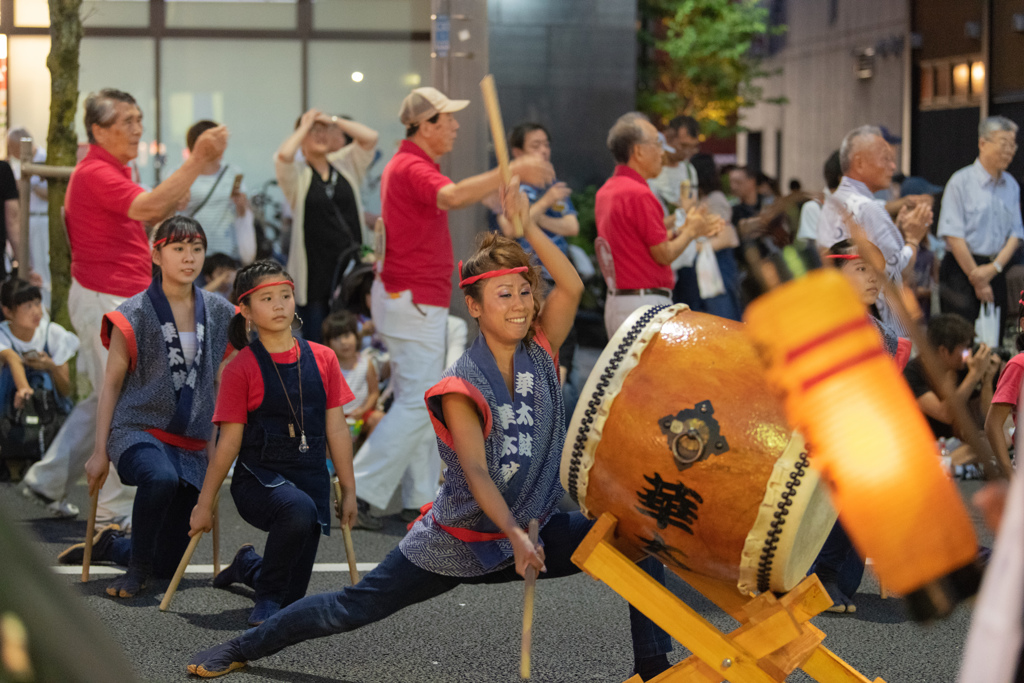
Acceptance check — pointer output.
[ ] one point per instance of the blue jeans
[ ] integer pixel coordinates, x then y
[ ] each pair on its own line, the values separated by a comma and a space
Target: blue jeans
160, 514
838, 562
397, 583
289, 515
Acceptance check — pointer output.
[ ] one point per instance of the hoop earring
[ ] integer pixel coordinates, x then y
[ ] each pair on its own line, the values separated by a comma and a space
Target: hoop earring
248, 328
297, 318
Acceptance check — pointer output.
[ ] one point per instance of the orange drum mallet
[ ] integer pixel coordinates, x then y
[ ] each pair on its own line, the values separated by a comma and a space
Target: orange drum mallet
869, 439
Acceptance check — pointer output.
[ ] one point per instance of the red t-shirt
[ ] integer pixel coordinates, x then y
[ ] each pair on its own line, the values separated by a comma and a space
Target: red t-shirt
109, 252
241, 385
630, 217
418, 255
1008, 388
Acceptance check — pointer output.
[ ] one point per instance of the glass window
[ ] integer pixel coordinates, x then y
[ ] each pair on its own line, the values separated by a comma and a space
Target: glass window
31, 13
28, 84
127, 64
254, 87
380, 15
384, 72
238, 14
132, 13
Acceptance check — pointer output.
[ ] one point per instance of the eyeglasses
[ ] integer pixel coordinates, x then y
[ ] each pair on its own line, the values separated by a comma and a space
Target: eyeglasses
1003, 145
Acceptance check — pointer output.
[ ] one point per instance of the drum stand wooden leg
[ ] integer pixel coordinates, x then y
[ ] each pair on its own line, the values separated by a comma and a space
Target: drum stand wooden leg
775, 634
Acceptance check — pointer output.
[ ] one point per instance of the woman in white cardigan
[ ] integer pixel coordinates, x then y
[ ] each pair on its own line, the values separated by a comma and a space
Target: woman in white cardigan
323, 191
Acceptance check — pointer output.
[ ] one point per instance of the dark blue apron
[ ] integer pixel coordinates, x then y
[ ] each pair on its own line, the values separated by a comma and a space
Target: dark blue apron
268, 451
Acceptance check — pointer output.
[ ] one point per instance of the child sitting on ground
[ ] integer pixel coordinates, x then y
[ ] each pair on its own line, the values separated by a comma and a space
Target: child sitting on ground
35, 354
341, 333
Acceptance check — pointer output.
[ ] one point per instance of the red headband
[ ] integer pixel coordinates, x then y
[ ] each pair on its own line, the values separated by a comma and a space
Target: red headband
845, 257
190, 238
491, 273
265, 284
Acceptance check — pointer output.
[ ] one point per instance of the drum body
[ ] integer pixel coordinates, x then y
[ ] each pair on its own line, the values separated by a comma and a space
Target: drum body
679, 435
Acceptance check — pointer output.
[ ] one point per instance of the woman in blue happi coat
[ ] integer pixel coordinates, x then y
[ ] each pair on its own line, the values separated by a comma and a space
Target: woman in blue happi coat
500, 425
154, 415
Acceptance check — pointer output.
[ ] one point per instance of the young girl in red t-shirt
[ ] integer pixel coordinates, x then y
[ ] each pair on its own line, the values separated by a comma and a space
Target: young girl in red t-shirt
1004, 400
280, 413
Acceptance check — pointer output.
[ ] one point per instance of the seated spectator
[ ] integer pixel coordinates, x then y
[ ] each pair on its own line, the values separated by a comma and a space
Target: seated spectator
973, 373
35, 354
219, 274
341, 333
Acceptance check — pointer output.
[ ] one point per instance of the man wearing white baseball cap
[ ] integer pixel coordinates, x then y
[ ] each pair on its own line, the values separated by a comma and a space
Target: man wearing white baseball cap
411, 294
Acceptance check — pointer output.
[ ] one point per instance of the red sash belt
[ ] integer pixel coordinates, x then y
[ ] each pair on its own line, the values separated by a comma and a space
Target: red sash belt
464, 535
178, 440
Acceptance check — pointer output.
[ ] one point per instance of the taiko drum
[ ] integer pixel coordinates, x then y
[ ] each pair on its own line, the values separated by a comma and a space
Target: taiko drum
679, 434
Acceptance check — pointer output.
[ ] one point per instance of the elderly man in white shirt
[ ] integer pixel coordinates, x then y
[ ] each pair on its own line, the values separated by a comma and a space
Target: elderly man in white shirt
981, 224
867, 162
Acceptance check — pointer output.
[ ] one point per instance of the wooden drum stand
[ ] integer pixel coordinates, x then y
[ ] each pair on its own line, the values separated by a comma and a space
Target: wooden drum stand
775, 634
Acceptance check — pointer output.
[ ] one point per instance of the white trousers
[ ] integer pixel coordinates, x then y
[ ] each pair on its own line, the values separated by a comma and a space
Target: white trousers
64, 461
402, 449
618, 308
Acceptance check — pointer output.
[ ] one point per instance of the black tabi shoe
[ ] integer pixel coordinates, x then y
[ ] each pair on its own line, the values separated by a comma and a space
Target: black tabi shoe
234, 571
263, 610
101, 544
217, 661
129, 584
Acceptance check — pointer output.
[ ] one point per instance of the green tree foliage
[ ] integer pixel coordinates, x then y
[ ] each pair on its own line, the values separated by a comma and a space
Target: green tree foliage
696, 58
61, 140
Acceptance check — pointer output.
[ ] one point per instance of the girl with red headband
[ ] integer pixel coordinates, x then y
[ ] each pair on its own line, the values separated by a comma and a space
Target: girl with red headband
153, 418
838, 565
500, 425
280, 413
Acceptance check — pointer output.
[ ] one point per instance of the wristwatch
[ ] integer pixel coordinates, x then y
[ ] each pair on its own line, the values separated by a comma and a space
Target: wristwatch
999, 268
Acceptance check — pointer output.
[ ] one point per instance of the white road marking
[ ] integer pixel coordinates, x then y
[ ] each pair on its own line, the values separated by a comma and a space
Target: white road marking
208, 568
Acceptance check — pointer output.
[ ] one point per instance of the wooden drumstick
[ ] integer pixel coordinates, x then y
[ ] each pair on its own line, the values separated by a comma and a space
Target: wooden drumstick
185, 559
216, 539
490, 94
90, 532
531, 582
346, 532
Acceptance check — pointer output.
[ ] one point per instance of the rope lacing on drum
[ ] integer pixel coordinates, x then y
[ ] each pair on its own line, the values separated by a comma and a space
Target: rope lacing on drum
598, 395
764, 566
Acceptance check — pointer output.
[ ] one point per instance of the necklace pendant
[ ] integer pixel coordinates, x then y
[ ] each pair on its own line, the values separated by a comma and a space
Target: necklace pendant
291, 431
303, 447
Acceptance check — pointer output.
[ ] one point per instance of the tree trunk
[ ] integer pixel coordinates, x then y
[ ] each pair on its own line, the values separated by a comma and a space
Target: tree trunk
61, 140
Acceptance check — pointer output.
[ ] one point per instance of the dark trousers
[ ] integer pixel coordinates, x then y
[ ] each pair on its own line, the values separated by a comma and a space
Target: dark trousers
839, 563
160, 514
397, 583
956, 293
727, 305
313, 314
289, 516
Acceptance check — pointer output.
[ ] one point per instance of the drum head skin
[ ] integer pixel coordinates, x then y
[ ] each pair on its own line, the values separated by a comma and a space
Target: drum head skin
679, 435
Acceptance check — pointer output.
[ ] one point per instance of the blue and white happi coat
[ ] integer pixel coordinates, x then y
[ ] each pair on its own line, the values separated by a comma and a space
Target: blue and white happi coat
162, 394
523, 437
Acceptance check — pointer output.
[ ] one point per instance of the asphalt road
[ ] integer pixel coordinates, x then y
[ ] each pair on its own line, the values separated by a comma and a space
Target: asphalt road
471, 634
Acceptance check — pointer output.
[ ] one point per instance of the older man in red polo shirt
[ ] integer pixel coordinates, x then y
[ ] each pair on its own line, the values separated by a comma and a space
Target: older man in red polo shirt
410, 298
110, 261
631, 219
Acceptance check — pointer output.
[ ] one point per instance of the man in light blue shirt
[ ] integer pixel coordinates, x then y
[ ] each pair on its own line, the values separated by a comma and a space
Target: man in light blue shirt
867, 162
981, 224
